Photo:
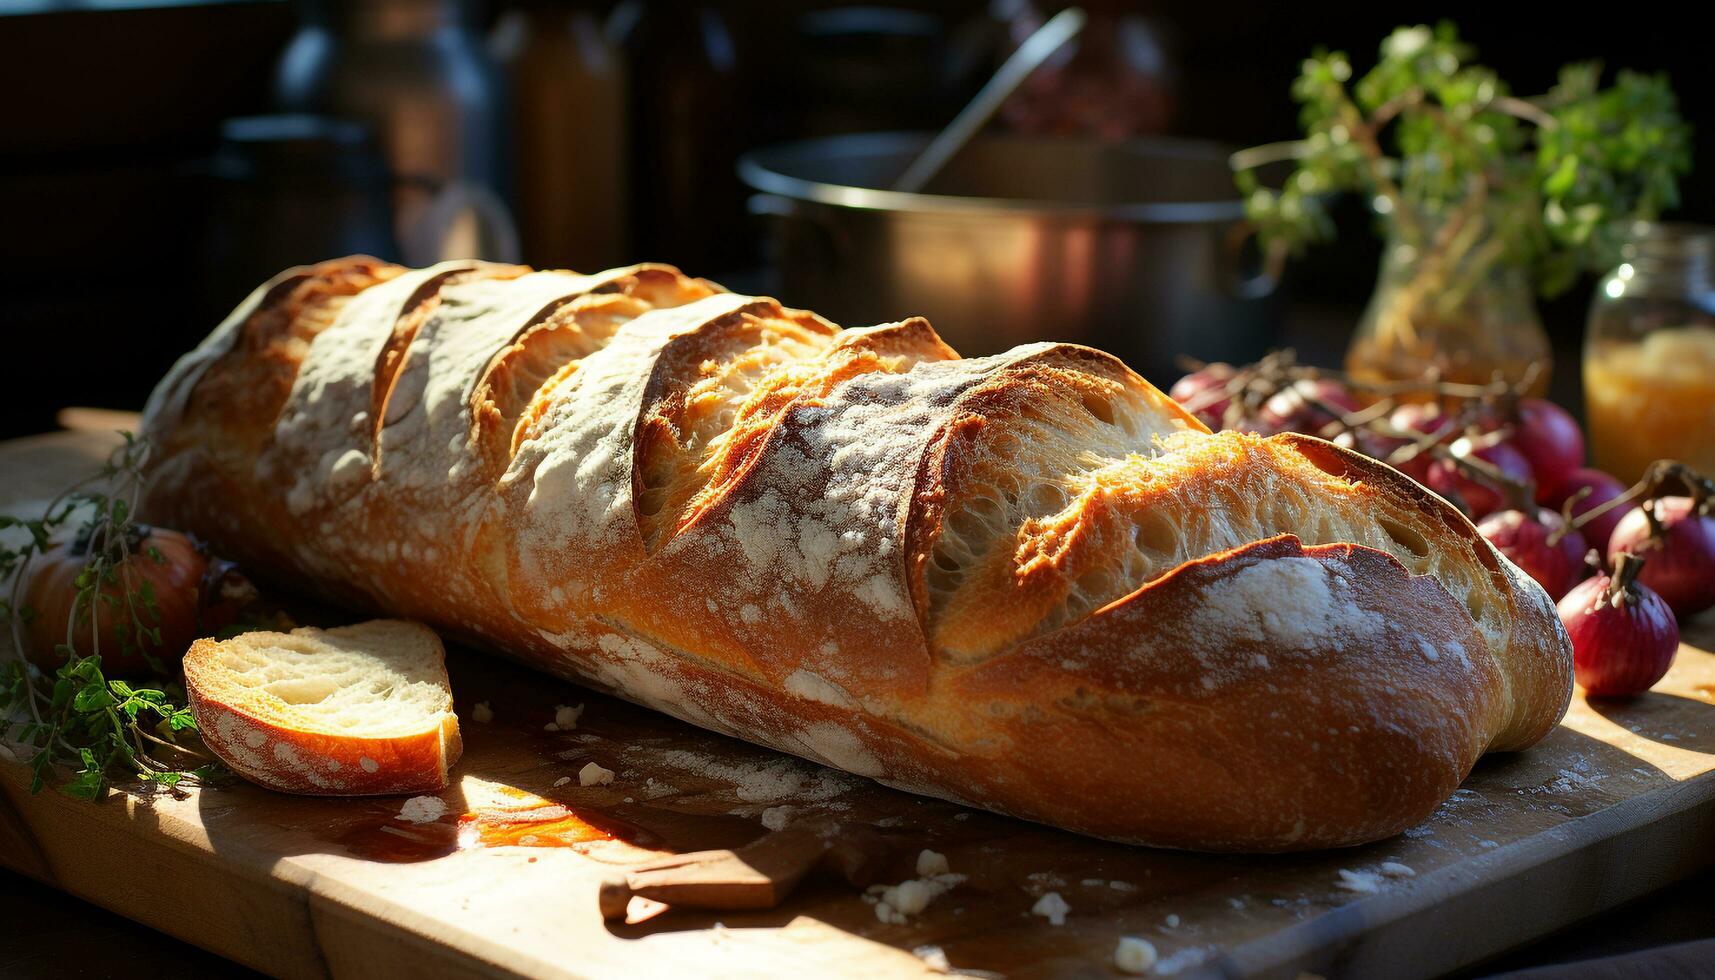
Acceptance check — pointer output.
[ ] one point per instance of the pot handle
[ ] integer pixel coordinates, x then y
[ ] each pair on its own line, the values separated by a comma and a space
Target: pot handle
833, 240
1254, 285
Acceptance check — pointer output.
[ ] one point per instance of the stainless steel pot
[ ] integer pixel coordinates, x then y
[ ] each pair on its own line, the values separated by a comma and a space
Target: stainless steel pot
1139, 248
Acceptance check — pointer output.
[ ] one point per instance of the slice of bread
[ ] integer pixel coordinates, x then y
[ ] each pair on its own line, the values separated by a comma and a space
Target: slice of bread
352, 711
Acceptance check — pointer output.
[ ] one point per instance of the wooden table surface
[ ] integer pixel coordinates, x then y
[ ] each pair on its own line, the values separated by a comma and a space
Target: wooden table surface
1618, 802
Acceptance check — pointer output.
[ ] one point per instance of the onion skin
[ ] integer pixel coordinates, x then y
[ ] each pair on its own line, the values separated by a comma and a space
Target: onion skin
1681, 566
1290, 409
1549, 438
1525, 540
1479, 498
1603, 488
1422, 418
1194, 390
193, 595
1618, 650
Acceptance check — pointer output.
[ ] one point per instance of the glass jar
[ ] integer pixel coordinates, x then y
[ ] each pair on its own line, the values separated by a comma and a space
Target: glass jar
1468, 318
1649, 353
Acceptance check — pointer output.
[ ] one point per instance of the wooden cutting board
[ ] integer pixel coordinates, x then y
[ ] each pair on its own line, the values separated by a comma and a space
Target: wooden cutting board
1617, 802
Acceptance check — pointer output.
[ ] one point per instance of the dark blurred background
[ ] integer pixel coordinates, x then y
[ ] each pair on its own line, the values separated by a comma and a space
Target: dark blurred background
136, 210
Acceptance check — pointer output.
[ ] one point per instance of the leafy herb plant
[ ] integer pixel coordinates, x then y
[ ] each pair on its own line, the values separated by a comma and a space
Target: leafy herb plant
1467, 177
100, 728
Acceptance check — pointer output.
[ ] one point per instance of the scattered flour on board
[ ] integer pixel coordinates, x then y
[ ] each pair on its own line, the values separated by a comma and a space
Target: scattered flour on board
1360, 881
1569, 780
1183, 960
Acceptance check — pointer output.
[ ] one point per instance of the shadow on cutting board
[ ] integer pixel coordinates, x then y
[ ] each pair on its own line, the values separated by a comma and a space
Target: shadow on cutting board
677, 789
1661, 717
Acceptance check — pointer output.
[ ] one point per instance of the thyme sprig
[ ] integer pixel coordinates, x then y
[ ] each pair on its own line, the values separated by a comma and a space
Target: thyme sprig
100, 728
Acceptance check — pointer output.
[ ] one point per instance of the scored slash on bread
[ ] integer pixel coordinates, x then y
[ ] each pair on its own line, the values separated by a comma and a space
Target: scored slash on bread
1029, 582
352, 711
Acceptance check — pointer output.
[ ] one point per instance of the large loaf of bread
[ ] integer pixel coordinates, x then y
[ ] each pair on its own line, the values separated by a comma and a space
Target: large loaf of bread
1026, 582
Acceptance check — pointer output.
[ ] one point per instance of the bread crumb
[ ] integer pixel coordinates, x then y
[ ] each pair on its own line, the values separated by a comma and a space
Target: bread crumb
481, 712
1134, 955
594, 775
567, 718
910, 897
1051, 907
931, 863
423, 809
934, 959
1173, 922
563, 780
895, 902
775, 817
1393, 869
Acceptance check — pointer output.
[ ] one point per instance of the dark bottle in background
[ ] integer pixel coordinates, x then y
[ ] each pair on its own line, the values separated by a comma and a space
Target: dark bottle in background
861, 68
417, 73
688, 126
313, 187
566, 86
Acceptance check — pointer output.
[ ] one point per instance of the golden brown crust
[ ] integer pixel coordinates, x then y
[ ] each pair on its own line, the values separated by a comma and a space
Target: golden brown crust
1223, 739
1538, 653
1030, 581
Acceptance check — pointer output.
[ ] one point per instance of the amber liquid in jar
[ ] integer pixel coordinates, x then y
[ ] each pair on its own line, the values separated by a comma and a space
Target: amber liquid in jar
1652, 398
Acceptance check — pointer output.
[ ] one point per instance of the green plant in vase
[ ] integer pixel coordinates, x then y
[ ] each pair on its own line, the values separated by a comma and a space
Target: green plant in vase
1482, 195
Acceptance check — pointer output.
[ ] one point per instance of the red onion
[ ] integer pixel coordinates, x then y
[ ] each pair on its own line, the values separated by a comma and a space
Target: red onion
1201, 393
1479, 496
1548, 436
1603, 488
1423, 418
1534, 543
1680, 565
1623, 638
1291, 410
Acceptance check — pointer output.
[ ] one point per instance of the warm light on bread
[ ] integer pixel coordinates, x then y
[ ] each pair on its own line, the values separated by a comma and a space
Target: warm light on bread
1029, 582
354, 710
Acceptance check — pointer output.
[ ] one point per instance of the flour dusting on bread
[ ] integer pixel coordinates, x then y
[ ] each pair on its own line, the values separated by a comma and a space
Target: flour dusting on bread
951, 574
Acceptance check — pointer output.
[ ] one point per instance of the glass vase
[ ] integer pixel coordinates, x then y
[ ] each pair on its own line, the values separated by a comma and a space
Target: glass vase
1466, 318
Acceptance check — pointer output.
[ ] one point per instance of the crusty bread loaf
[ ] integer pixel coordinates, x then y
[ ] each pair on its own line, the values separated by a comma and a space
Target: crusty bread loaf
353, 711
1028, 582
